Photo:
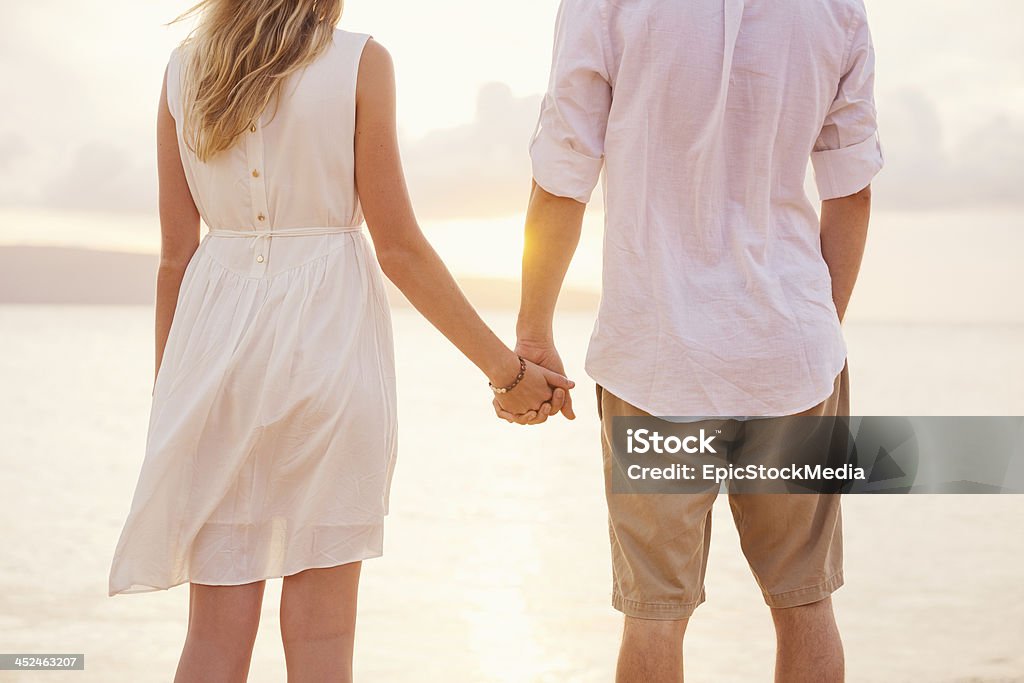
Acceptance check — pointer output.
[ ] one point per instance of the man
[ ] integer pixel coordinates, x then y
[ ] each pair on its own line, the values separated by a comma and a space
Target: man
723, 292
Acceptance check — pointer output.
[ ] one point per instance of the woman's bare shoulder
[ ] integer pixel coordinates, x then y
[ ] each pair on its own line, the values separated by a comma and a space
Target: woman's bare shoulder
376, 70
376, 59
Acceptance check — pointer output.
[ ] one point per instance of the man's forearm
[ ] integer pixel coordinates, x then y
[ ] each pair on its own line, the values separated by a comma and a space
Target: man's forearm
553, 226
844, 228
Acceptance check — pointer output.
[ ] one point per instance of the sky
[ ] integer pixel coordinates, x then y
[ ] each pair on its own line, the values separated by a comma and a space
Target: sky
83, 82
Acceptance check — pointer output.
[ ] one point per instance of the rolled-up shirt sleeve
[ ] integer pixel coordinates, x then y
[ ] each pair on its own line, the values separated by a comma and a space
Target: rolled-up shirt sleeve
848, 152
567, 148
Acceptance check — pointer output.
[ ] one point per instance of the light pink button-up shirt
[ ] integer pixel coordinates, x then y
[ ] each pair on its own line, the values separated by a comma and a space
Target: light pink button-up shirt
702, 115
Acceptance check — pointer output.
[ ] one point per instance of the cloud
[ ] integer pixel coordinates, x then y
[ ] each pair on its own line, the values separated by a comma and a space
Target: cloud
102, 177
478, 169
926, 170
12, 147
991, 158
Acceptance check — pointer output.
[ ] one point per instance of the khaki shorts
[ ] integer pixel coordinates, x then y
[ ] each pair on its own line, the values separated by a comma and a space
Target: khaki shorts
659, 542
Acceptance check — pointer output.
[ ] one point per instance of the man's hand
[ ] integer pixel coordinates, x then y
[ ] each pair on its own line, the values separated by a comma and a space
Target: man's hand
546, 356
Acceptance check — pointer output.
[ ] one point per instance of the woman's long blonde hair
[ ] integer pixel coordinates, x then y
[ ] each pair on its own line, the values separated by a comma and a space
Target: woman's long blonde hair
236, 57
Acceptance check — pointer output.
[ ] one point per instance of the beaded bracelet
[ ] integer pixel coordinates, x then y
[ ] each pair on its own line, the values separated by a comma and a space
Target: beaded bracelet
519, 378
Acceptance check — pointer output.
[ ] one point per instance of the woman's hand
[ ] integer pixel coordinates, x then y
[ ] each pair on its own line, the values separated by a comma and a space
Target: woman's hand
539, 394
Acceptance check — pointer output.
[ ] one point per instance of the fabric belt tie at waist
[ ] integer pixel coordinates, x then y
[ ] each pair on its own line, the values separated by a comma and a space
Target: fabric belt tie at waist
284, 232
275, 232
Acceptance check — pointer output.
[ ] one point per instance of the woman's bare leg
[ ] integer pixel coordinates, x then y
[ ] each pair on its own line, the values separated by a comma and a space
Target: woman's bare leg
222, 625
318, 620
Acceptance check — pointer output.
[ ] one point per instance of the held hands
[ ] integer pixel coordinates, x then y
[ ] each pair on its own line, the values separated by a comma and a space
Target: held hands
543, 391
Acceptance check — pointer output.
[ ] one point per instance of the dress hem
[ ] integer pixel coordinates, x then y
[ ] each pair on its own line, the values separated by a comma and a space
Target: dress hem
147, 588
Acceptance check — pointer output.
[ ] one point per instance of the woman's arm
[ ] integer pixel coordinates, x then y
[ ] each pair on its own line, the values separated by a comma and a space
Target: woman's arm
179, 224
408, 259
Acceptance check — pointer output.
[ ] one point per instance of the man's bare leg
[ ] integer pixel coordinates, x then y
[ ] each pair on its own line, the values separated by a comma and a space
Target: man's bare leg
809, 648
651, 651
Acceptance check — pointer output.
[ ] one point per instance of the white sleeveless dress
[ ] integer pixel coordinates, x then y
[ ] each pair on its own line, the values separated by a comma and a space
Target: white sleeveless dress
272, 432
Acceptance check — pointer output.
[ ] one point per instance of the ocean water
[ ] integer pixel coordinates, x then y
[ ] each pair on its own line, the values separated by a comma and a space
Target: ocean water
496, 563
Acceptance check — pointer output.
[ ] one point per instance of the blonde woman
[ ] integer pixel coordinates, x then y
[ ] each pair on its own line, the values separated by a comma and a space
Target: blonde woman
271, 441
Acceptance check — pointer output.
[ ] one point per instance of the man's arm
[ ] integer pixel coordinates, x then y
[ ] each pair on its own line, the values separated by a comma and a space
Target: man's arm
553, 226
844, 229
567, 156
846, 156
